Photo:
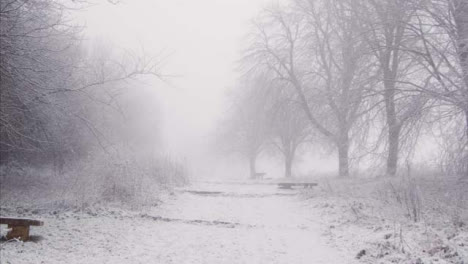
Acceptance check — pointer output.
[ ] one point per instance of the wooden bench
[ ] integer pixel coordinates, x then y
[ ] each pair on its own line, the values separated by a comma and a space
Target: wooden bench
259, 175
19, 227
290, 185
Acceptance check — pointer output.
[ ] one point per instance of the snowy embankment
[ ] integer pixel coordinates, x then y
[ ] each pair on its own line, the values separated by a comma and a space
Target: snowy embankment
238, 224
395, 221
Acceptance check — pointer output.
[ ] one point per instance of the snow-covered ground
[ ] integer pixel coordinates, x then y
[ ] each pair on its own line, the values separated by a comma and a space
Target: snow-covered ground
206, 223
374, 218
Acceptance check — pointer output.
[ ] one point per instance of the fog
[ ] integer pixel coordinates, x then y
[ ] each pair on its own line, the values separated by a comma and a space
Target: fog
199, 42
199, 45
234, 131
200, 56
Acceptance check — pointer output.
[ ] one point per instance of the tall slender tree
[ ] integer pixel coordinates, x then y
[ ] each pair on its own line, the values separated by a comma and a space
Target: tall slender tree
441, 27
289, 127
245, 130
385, 26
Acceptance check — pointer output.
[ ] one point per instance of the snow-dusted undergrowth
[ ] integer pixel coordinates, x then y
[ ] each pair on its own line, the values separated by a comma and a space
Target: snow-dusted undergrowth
238, 227
338, 222
422, 220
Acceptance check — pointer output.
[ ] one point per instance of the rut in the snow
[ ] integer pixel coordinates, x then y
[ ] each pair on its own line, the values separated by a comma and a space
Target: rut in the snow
231, 194
197, 221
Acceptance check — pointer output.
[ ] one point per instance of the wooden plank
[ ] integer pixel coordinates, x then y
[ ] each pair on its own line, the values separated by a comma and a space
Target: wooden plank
259, 175
20, 222
289, 185
18, 232
203, 192
285, 185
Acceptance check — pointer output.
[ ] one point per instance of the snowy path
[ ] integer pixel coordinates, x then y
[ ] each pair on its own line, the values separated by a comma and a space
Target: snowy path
244, 224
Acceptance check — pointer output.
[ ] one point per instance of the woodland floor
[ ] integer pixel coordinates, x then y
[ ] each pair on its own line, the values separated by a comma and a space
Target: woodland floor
337, 222
228, 224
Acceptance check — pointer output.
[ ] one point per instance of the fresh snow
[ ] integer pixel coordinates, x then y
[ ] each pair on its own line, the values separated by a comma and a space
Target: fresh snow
231, 223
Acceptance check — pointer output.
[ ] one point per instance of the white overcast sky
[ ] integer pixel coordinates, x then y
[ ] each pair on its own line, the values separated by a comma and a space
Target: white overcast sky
203, 39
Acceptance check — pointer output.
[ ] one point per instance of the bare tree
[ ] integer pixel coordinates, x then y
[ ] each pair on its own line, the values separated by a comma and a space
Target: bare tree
385, 27
442, 30
44, 71
33, 37
315, 47
289, 129
246, 128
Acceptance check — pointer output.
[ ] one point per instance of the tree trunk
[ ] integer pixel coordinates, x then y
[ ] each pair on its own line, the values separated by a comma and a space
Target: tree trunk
252, 165
466, 117
466, 151
288, 160
393, 149
461, 21
343, 156
392, 124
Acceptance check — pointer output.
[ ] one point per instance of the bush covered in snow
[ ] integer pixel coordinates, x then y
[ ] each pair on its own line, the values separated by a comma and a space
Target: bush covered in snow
123, 179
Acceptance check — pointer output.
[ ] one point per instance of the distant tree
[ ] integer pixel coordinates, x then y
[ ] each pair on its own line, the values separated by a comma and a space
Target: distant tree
387, 27
245, 130
315, 47
289, 128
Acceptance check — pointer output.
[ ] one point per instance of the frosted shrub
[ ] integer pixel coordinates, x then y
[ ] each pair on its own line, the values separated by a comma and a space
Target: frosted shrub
406, 194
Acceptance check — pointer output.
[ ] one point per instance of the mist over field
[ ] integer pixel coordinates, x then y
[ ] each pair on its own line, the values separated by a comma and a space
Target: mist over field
234, 131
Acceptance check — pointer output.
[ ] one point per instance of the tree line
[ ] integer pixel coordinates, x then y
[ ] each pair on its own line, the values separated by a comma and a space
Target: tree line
74, 105
53, 81
368, 77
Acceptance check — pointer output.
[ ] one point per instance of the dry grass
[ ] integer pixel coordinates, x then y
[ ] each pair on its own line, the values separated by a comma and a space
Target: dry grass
104, 179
